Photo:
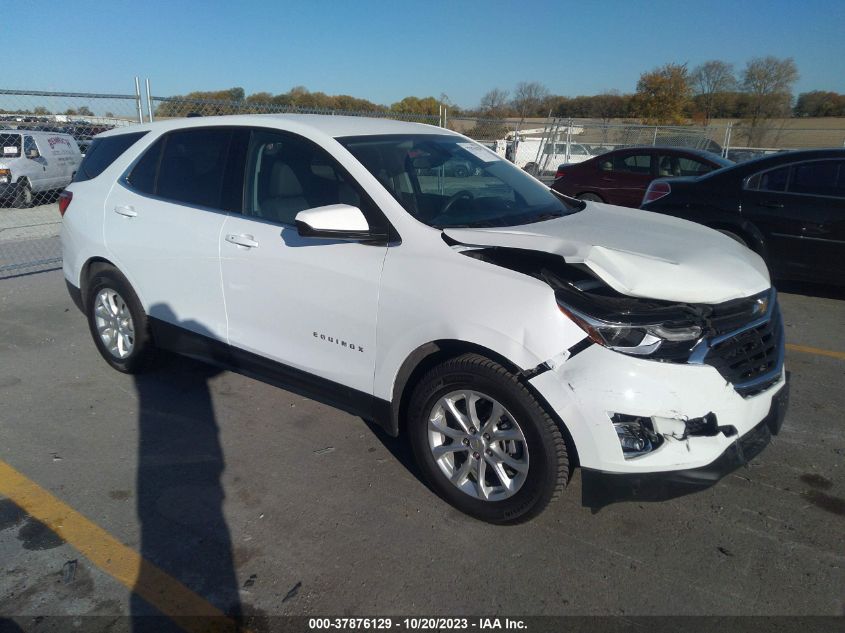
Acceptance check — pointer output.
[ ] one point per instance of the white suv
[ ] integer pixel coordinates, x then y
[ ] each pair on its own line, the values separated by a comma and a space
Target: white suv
511, 333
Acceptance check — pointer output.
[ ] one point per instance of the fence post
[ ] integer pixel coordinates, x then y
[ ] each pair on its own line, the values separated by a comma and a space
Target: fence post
727, 145
149, 101
568, 140
654, 138
138, 100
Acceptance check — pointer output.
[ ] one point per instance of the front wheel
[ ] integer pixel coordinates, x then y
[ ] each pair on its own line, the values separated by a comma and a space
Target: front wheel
118, 323
484, 443
24, 197
590, 197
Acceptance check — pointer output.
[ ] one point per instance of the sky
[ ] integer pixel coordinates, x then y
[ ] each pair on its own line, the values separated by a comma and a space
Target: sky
384, 51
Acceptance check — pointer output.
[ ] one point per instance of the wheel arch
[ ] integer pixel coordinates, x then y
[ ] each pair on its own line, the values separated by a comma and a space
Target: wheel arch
433, 353
91, 266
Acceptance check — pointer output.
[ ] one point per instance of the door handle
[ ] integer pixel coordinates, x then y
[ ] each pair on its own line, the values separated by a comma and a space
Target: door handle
772, 205
246, 241
127, 211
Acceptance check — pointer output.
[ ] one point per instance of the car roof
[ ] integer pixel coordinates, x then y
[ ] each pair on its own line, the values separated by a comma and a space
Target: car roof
309, 124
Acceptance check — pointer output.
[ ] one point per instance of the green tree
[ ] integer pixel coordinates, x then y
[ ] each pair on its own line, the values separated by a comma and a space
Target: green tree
820, 103
663, 95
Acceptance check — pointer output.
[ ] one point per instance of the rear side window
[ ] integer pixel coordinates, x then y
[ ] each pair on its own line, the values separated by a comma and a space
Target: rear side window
817, 178
103, 152
634, 163
774, 180
190, 167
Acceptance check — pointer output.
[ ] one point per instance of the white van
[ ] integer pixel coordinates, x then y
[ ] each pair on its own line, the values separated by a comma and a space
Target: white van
33, 162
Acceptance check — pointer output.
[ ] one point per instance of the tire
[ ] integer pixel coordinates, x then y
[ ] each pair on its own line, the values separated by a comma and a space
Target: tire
111, 303
533, 169
23, 198
590, 197
540, 454
734, 237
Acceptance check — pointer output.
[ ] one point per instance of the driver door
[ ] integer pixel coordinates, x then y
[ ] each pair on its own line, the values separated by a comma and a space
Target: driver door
307, 305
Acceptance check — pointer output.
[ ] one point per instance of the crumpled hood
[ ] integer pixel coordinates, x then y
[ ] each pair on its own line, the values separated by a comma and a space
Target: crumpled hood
638, 253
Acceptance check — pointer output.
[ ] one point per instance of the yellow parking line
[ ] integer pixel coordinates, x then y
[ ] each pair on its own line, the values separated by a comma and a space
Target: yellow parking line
186, 608
815, 350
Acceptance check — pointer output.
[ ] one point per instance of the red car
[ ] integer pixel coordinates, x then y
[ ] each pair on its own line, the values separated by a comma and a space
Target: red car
622, 176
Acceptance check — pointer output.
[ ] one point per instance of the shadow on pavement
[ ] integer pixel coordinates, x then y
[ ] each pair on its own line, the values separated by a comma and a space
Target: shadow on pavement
180, 494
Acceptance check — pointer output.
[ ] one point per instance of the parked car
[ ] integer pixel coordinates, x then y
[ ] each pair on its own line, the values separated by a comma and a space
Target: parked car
788, 207
508, 332
539, 163
35, 162
622, 176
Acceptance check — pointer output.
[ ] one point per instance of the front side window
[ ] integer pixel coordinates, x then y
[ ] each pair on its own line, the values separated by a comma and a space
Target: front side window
818, 178
29, 145
421, 172
10, 145
287, 174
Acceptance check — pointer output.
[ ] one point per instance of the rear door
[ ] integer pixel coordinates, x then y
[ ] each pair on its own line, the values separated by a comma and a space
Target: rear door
801, 210
624, 177
163, 222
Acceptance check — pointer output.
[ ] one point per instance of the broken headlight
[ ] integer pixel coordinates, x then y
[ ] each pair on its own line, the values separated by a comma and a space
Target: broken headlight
666, 341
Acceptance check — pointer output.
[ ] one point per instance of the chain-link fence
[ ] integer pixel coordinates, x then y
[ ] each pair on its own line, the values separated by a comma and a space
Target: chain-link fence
45, 135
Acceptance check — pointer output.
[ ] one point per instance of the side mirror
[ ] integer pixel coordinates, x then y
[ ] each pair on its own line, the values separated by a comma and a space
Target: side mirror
32, 153
336, 222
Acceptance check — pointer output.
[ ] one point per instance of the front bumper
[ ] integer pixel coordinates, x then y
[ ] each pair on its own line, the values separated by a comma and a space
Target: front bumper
601, 488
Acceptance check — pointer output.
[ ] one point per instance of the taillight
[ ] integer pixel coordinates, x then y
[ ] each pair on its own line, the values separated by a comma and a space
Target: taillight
64, 201
559, 173
657, 190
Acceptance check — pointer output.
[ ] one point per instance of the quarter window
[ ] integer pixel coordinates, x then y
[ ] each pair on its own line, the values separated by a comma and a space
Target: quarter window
287, 174
103, 152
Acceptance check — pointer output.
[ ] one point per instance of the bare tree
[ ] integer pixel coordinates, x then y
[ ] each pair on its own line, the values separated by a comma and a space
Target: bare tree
768, 83
709, 80
528, 96
494, 103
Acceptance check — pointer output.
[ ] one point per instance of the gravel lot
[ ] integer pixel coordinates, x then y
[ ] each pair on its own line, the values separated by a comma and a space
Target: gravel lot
263, 502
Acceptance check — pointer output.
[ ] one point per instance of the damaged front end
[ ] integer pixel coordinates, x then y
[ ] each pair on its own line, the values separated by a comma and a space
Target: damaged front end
741, 338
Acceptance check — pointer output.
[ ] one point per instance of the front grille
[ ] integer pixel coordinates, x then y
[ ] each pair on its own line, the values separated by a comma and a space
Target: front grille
751, 360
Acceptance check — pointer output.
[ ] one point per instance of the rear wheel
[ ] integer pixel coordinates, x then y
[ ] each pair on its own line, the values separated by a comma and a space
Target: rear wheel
590, 197
23, 198
483, 441
118, 323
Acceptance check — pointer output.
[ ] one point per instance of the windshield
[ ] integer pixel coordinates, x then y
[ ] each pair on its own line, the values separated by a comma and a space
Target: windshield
448, 181
10, 145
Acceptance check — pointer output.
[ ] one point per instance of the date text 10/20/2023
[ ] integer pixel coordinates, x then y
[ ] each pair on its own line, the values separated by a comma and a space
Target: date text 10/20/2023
416, 624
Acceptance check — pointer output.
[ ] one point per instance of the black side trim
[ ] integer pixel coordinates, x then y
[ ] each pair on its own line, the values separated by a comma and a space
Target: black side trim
599, 488
580, 346
181, 341
75, 296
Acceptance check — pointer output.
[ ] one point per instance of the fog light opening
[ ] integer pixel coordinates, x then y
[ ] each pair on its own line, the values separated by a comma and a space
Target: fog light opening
636, 435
